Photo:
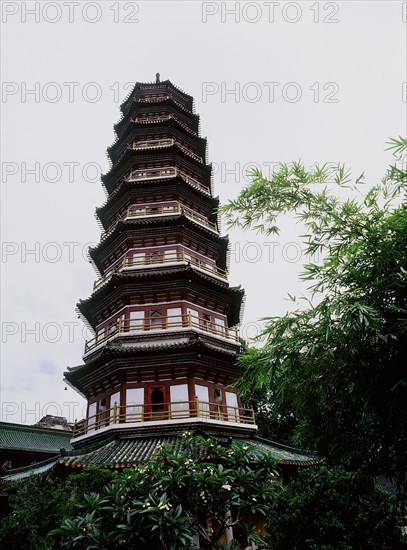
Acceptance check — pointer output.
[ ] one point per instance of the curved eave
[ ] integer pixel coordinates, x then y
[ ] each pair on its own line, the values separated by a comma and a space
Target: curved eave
32, 470
165, 84
177, 220
108, 352
125, 184
137, 106
171, 124
111, 188
157, 275
126, 452
113, 452
286, 454
171, 100
152, 155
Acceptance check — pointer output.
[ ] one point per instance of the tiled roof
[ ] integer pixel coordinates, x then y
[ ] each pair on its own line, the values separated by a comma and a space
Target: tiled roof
283, 453
123, 453
18, 474
32, 438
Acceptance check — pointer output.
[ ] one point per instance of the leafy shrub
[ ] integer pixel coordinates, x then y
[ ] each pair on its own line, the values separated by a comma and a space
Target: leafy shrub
331, 508
166, 501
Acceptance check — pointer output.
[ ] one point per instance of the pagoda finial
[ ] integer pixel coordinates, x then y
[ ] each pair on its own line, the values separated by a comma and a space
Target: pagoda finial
157, 78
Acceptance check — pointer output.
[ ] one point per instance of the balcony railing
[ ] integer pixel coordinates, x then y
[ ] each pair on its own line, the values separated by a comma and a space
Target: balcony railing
160, 97
166, 142
193, 181
153, 98
148, 211
149, 118
139, 413
157, 259
177, 257
153, 173
153, 118
151, 143
127, 327
165, 172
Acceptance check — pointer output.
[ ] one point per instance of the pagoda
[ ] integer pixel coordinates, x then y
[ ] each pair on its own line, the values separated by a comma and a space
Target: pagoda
164, 318
162, 360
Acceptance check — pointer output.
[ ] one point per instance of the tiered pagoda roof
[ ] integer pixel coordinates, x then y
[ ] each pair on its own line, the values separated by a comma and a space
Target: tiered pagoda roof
165, 320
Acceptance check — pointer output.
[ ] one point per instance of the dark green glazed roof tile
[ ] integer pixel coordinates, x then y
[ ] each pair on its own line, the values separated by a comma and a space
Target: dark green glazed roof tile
19, 437
19, 474
125, 453
122, 453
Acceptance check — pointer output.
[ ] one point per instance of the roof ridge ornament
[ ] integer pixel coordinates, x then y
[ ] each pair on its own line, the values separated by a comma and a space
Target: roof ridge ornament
157, 78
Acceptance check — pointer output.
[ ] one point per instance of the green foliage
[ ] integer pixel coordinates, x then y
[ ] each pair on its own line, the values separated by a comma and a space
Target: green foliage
337, 363
333, 509
37, 505
270, 426
164, 502
40, 504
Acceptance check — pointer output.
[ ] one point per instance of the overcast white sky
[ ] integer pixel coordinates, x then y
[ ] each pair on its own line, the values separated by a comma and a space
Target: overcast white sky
320, 81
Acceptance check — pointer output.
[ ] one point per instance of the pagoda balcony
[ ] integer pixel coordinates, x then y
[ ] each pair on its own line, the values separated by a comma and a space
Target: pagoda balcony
153, 118
150, 326
158, 98
139, 414
162, 117
153, 173
166, 142
152, 143
157, 260
133, 212
151, 212
165, 172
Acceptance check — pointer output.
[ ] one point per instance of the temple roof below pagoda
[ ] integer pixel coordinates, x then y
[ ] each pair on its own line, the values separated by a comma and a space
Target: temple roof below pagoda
132, 451
20, 437
121, 453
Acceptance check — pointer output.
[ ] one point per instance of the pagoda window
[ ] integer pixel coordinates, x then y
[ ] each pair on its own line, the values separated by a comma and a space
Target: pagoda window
179, 400
193, 317
155, 257
100, 333
231, 404
206, 321
200, 262
137, 258
157, 402
136, 321
174, 317
115, 400
103, 413
202, 397
134, 405
154, 210
92, 416
136, 211
220, 326
156, 319
170, 255
120, 322
111, 328
217, 399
